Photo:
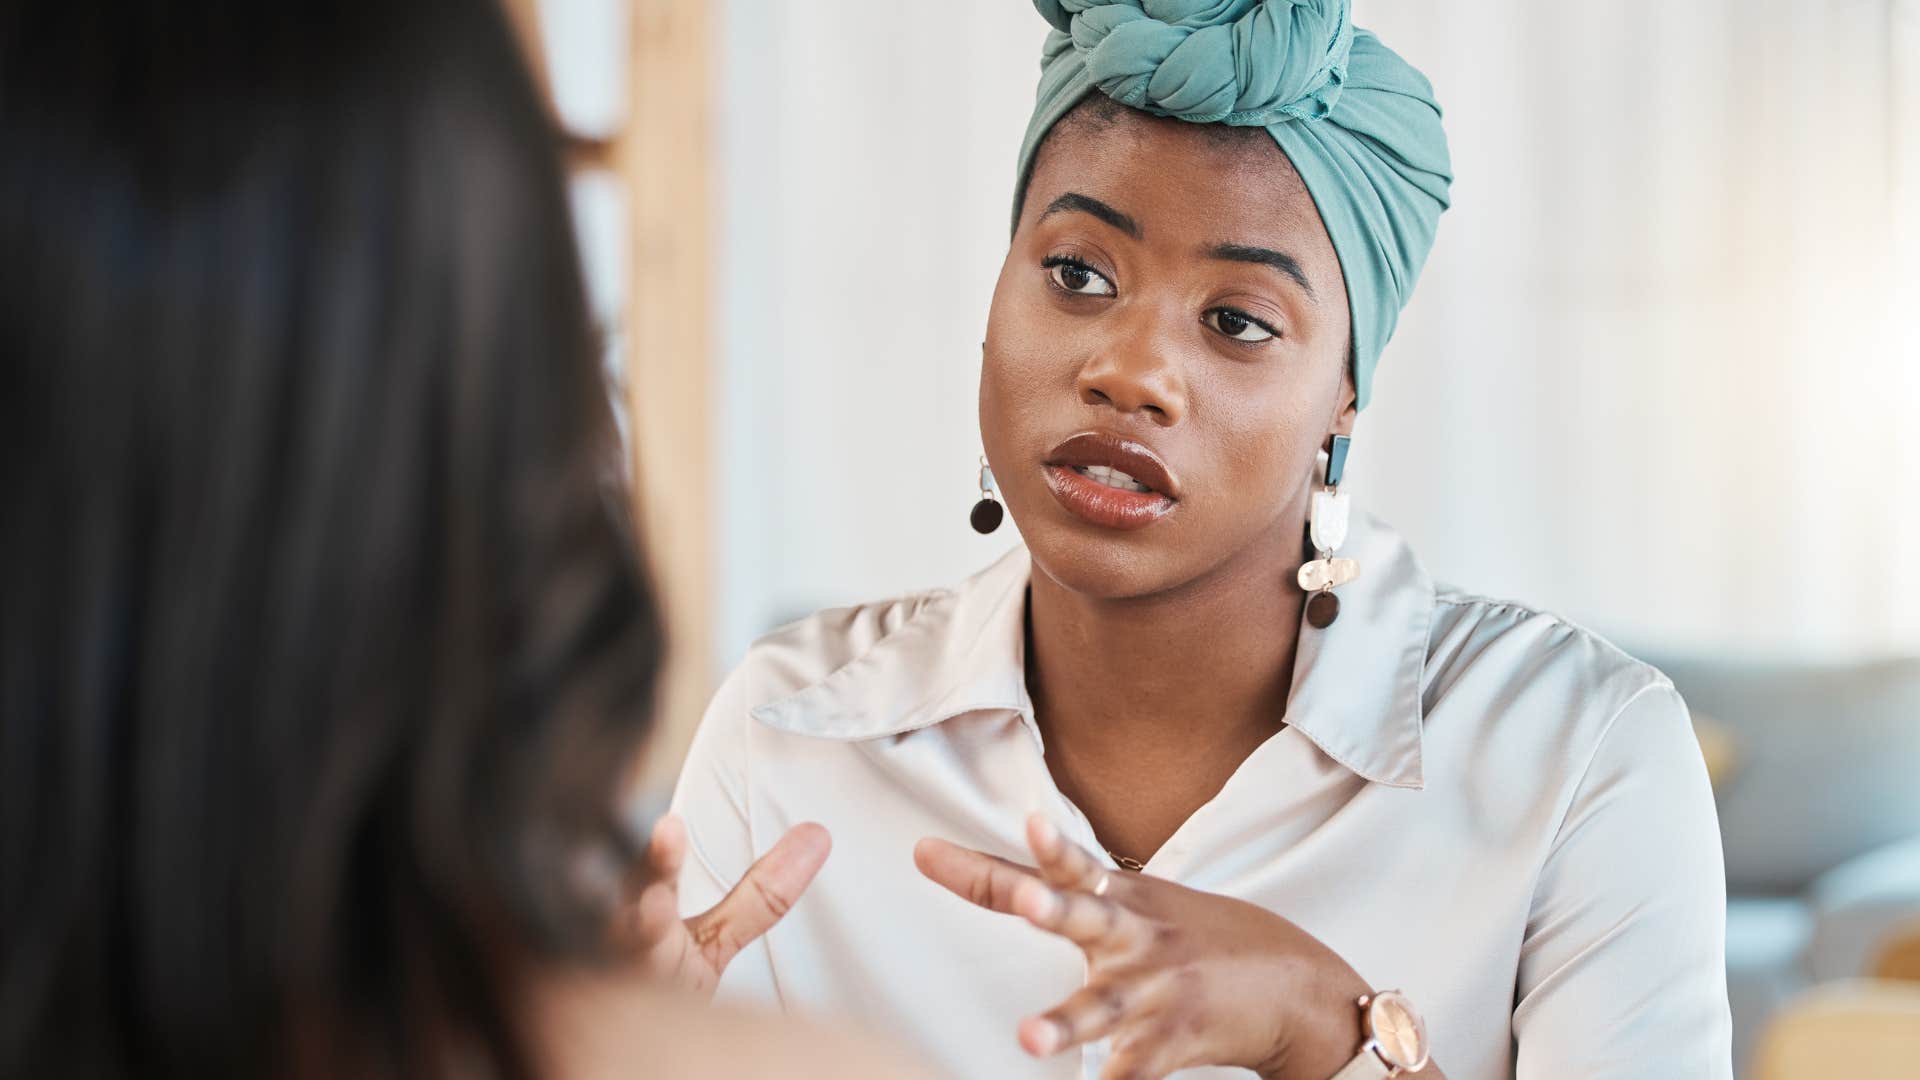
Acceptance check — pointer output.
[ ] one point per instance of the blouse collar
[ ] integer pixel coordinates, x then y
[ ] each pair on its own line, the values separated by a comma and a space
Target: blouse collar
1356, 685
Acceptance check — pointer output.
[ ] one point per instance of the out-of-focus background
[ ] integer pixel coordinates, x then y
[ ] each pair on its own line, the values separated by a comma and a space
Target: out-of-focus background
1662, 375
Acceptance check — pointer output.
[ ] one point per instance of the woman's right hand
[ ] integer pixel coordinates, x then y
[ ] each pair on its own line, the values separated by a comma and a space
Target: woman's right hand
692, 953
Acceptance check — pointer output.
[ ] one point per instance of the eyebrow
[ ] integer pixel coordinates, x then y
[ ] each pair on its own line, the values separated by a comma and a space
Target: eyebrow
1087, 204
1279, 260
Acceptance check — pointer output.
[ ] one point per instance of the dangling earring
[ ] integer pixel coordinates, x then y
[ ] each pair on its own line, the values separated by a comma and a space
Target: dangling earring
1327, 519
988, 511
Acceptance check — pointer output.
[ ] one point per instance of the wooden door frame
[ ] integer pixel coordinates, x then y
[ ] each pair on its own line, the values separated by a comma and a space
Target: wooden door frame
661, 157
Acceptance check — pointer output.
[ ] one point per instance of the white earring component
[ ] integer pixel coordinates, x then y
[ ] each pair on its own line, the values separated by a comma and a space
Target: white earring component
1327, 518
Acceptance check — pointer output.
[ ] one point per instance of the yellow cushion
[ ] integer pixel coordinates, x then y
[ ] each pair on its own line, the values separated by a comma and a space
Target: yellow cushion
1862, 1029
1899, 957
1720, 747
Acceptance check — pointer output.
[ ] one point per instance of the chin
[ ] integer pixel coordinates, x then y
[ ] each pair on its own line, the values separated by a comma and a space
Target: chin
1105, 564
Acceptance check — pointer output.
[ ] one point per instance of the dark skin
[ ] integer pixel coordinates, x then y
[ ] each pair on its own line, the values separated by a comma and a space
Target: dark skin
1140, 299
1195, 616
1171, 285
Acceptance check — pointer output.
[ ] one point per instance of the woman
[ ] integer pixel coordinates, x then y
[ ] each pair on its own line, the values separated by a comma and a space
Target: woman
1227, 744
324, 649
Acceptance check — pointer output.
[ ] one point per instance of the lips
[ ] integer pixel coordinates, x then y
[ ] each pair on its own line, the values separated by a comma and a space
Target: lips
1111, 482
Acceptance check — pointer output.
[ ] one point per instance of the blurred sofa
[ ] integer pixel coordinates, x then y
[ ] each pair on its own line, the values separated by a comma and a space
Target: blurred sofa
1819, 797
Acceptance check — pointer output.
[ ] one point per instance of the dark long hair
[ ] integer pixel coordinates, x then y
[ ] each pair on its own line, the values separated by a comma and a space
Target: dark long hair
324, 645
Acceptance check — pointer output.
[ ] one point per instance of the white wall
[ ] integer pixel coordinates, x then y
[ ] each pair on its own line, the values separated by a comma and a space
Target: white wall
1653, 349
1652, 377
865, 212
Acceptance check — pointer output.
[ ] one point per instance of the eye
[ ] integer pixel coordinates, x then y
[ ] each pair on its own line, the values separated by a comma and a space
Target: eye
1240, 326
1074, 276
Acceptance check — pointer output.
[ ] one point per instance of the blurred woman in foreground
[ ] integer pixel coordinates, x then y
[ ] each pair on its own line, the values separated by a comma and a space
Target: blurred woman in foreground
324, 647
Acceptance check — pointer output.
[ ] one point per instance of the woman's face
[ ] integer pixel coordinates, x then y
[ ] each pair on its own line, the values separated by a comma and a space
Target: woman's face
1171, 309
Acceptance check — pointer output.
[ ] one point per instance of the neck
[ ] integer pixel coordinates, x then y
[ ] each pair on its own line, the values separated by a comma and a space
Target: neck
1202, 668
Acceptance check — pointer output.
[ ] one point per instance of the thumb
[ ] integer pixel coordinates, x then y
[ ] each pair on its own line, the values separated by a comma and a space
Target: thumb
768, 890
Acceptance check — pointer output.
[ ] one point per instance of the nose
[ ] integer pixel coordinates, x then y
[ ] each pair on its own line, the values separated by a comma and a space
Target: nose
1136, 371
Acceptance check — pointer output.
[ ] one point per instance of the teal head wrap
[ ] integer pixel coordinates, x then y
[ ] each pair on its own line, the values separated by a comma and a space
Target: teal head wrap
1359, 124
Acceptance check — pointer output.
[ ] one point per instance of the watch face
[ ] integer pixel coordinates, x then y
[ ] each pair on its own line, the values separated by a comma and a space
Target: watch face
1398, 1031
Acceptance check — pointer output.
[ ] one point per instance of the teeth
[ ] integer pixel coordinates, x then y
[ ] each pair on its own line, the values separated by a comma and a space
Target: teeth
1111, 477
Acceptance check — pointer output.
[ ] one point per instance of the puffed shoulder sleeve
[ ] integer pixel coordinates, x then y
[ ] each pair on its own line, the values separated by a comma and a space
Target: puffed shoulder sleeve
1622, 970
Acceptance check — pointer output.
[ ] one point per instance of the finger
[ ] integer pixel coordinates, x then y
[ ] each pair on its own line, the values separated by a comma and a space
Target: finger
764, 895
1094, 1012
1143, 1055
656, 914
1094, 923
667, 849
1065, 864
973, 876
665, 947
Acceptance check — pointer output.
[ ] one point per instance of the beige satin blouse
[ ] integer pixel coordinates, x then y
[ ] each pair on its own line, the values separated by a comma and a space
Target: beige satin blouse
1479, 804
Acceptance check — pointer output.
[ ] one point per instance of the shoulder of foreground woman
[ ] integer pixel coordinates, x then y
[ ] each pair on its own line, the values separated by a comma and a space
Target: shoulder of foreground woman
594, 1026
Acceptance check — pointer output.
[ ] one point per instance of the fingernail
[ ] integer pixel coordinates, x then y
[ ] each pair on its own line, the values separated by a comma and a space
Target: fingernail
1045, 832
1049, 1037
1041, 901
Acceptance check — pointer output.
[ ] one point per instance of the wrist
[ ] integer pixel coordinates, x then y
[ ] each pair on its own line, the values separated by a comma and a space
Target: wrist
1322, 1033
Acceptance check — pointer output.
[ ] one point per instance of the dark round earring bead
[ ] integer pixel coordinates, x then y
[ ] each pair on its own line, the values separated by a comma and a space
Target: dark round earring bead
986, 515
1322, 609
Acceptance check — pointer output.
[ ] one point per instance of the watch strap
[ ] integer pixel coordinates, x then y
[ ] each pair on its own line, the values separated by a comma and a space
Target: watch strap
1366, 1065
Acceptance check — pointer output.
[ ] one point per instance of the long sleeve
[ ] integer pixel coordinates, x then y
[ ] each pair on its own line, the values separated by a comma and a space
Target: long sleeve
1622, 970
712, 797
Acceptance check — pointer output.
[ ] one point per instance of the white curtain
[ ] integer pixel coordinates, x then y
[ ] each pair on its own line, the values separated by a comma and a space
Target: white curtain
1662, 372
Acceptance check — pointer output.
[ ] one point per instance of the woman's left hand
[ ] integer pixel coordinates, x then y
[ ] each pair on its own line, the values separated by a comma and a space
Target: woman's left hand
1175, 977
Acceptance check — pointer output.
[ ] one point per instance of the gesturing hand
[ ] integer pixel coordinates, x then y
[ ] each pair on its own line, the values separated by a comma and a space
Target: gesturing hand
692, 953
1175, 977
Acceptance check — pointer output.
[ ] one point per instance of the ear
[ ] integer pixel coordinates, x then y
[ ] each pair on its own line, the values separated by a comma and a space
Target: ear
1347, 405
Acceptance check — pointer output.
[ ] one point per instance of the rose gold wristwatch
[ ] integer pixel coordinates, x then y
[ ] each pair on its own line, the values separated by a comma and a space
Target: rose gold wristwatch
1396, 1039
